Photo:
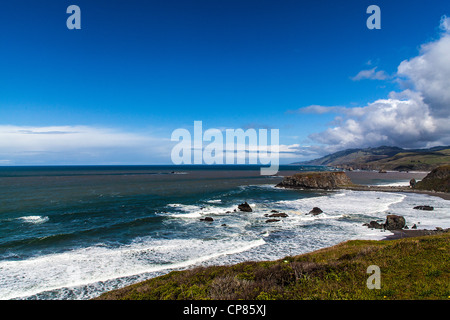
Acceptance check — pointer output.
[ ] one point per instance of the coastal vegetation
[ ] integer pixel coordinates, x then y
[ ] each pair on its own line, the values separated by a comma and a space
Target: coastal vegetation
411, 268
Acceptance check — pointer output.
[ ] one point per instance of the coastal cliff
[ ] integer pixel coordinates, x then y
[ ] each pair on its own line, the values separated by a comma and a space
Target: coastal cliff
316, 180
436, 180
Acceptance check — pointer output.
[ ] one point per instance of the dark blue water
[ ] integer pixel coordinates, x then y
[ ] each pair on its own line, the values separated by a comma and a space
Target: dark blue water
54, 212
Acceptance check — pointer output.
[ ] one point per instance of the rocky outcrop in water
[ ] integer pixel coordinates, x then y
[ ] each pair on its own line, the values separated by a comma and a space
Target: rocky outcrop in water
374, 225
426, 208
315, 211
393, 222
316, 180
277, 215
245, 207
437, 180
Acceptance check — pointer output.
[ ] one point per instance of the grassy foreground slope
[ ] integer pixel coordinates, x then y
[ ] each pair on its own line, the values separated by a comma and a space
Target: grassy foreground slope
411, 268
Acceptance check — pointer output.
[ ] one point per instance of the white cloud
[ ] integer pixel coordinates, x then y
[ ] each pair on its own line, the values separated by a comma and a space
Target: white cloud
78, 145
317, 109
429, 73
416, 117
445, 23
65, 145
394, 121
371, 74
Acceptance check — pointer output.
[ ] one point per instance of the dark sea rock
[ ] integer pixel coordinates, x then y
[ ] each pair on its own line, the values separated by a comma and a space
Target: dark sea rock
278, 215
315, 211
272, 220
245, 207
208, 219
316, 180
374, 225
394, 222
426, 208
437, 180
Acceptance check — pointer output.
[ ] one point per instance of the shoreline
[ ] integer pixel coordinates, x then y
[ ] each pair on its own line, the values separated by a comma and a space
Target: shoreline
360, 177
408, 233
442, 195
361, 182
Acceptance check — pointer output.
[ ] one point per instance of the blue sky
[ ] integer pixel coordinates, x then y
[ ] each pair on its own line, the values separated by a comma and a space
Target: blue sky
138, 70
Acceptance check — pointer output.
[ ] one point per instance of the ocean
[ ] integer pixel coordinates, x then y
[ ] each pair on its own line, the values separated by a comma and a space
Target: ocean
76, 232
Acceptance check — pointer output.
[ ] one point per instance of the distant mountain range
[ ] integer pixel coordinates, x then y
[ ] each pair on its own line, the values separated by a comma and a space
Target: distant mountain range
385, 158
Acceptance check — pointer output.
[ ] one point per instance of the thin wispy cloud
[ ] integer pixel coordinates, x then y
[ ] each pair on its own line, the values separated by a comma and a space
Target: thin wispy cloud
445, 23
78, 145
317, 109
371, 74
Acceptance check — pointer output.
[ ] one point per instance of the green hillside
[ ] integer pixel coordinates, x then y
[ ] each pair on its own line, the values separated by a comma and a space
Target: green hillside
386, 158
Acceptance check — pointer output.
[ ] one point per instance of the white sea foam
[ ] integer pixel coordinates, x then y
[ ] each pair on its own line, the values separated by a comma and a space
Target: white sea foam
439, 217
187, 215
34, 219
246, 237
193, 211
99, 263
214, 201
346, 202
345, 212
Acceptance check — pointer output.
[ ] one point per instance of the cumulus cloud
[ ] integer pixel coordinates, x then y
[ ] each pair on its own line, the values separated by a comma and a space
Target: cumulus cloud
429, 73
371, 74
401, 120
414, 118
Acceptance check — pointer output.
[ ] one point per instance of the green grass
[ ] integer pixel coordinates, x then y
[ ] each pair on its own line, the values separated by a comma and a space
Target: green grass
414, 160
401, 161
412, 268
